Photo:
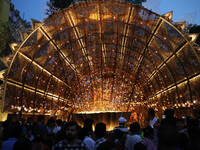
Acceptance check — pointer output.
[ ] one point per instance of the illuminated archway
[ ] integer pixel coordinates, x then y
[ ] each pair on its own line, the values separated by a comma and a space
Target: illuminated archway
104, 56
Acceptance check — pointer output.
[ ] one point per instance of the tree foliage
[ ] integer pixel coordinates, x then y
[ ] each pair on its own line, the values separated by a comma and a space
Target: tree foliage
56, 5
195, 29
9, 31
137, 2
5, 37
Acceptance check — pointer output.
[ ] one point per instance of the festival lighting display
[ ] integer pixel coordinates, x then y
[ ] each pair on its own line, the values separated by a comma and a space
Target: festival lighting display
104, 56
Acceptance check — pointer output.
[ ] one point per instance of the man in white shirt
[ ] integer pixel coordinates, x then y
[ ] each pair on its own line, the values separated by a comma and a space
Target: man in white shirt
153, 121
121, 126
89, 142
133, 137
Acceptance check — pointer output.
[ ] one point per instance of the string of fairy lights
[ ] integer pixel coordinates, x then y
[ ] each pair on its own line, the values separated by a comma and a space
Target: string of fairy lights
107, 57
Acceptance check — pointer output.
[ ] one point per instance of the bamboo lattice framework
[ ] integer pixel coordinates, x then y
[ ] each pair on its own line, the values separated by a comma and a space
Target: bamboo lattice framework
100, 56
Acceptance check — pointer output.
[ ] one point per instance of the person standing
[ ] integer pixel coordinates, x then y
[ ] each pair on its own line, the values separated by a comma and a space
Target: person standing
152, 120
14, 133
71, 141
40, 127
154, 123
121, 126
89, 142
100, 132
148, 138
133, 137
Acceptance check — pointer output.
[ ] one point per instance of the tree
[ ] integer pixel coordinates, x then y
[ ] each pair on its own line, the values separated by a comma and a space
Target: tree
137, 2
195, 29
56, 5
9, 31
5, 38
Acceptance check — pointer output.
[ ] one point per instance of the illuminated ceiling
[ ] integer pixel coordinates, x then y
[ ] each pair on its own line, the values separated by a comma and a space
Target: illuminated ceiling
104, 56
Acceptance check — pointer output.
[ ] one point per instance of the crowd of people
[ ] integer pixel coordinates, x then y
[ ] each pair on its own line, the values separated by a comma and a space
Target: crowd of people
170, 133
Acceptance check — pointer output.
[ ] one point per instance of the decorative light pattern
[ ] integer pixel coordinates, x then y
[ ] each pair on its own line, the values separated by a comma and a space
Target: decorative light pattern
103, 56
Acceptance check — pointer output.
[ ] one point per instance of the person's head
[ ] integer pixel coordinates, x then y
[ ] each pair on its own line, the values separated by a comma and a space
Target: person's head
71, 130
169, 113
148, 132
85, 131
151, 113
166, 112
18, 114
180, 124
59, 122
15, 117
41, 119
122, 121
22, 121
51, 122
30, 120
100, 130
135, 128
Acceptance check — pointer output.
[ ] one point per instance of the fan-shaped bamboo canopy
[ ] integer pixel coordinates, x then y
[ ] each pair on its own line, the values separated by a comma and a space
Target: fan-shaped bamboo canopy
104, 56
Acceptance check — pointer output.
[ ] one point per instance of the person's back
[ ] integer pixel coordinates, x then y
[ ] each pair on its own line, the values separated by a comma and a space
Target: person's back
89, 142
121, 126
169, 118
167, 137
119, 139
86, 137
100, 132
148, 136
50, 126
133, 138
40, 127
14, 133
8, 144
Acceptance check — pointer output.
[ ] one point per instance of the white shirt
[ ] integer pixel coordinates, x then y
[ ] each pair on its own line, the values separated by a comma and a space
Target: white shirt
90, 143
56, 129
131, 140
122, 128
152, 122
